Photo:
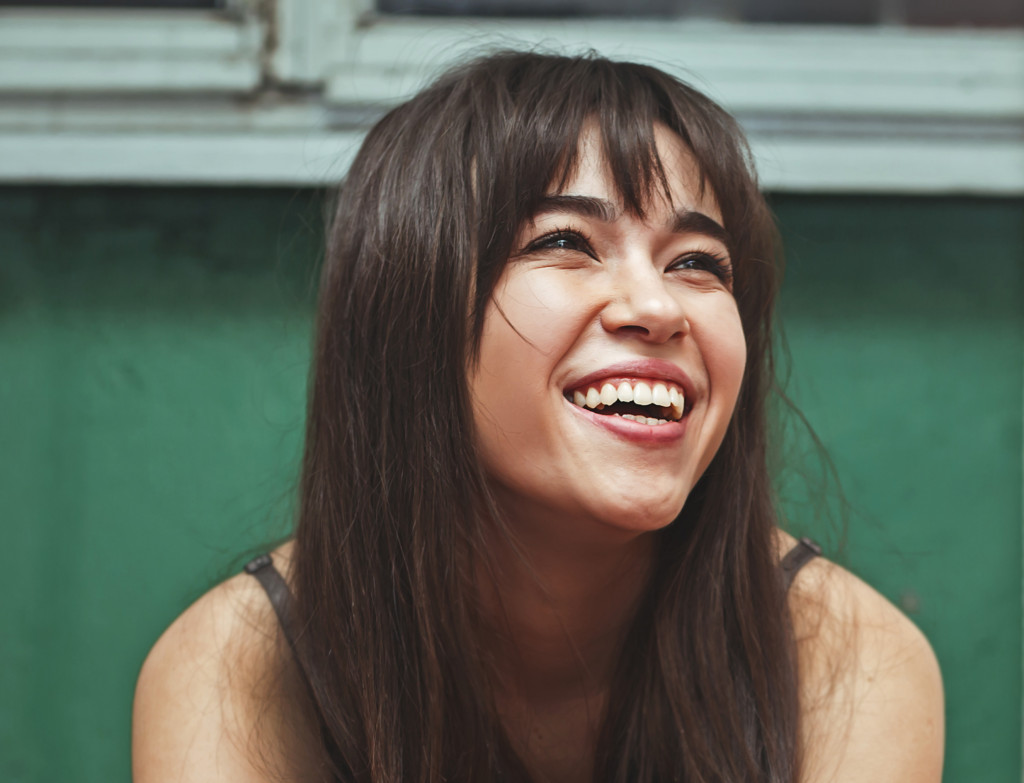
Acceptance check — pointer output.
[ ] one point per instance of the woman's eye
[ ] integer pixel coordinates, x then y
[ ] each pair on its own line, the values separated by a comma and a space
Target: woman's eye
562, 240
564, 243
705, 262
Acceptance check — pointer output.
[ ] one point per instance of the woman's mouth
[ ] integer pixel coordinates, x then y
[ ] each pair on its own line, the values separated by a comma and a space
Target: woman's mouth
644, 401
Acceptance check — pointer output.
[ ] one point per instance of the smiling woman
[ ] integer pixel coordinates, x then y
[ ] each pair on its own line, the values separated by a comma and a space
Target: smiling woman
543, 547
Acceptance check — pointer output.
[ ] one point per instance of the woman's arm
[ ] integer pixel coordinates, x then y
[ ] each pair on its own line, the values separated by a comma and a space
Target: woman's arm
871, 690
212, 699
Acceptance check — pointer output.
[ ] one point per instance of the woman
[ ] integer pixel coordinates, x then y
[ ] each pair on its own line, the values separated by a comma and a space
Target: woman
536, 538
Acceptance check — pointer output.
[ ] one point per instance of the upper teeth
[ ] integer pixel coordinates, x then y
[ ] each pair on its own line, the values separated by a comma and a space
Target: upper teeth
637, 392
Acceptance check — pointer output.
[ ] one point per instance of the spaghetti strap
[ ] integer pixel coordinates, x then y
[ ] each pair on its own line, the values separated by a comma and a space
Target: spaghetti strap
277, 591
796, 558
280, 595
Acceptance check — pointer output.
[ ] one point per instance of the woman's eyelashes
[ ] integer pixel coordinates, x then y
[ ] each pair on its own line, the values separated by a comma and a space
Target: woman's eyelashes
705, 261
573, 240
566, 239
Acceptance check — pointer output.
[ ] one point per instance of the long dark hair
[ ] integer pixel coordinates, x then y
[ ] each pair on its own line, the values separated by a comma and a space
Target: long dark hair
394, 504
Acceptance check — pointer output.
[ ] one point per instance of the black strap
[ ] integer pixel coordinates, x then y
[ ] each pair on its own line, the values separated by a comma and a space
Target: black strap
277, 591
281, 599
796, 558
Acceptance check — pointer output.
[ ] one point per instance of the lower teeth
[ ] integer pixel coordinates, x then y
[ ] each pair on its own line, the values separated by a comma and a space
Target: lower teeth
641, 419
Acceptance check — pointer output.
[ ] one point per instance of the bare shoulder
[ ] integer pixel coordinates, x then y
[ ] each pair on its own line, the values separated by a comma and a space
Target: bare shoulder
207, 691
871, 691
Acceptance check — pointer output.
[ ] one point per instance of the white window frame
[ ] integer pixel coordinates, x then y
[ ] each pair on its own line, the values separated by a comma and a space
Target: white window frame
57, 51
232, 98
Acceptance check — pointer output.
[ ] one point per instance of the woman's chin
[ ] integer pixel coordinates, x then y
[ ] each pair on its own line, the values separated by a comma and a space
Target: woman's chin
640, 515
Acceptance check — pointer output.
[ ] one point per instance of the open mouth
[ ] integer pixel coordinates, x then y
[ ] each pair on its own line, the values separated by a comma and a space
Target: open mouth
645, 402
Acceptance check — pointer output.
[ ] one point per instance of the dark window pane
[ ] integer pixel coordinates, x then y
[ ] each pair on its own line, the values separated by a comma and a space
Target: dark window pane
533, 8
982, 13
977, 13
209, 4
810, 11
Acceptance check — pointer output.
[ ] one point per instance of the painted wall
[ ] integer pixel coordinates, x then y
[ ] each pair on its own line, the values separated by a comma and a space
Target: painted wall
153, 346
906, 325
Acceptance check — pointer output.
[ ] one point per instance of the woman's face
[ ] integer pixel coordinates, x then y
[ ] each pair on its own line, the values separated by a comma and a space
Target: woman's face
612, 352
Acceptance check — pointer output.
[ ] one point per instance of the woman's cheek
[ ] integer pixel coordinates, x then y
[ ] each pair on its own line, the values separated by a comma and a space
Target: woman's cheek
547, 305
724, 349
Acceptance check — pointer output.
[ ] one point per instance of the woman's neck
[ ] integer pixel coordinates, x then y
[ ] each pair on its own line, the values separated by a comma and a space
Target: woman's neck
558, 606
554, 620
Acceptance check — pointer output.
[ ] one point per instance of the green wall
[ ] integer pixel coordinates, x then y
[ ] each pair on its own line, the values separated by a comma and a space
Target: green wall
905, 320
153, 346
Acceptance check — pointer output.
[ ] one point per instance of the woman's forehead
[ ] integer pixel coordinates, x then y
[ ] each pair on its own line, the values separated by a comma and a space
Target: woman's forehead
590, 173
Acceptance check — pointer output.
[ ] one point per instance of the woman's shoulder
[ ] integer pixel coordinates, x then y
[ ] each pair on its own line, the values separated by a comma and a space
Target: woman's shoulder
206, 691
870, 686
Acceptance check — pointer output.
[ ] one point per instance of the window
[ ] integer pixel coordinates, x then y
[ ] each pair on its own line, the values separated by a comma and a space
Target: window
248, 92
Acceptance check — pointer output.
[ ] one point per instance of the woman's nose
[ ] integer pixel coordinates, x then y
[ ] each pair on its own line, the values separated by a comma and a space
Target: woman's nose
641, 304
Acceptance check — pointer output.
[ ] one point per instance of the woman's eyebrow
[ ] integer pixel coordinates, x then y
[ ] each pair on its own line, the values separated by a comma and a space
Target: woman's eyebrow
584, 206
691, 222
685, 221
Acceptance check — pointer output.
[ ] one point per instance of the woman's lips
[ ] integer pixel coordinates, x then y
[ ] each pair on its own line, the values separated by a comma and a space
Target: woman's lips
647, 370
663, 432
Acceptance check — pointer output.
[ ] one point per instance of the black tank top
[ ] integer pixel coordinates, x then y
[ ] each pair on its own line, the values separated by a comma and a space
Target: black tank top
281, 599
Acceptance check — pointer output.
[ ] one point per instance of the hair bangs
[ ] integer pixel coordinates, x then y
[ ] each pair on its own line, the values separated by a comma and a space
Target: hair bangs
526, 144
623, 108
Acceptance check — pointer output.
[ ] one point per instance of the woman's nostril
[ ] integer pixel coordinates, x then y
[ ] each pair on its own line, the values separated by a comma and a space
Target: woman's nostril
633, 329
